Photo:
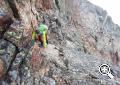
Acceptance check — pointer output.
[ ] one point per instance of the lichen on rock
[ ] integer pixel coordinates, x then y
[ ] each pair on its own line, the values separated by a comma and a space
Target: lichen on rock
81, 38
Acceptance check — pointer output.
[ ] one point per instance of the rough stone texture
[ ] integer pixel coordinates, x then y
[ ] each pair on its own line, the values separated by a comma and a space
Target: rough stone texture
5, 22
4, 6
28, 16
43, 4
82, 37
16, 35
99, 39
25, 12
6, 51
1, 68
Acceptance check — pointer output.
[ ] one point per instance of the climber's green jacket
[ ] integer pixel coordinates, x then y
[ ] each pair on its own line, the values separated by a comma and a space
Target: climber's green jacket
42, 28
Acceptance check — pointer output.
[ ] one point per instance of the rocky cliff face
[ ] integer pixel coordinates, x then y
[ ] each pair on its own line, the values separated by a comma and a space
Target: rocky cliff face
82, 37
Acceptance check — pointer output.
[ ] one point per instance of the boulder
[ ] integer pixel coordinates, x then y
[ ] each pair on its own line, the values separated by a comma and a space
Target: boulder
5, 22
6, 52
16, 34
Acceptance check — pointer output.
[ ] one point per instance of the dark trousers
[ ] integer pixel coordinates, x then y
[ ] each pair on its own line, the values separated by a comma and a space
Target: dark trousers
40, 39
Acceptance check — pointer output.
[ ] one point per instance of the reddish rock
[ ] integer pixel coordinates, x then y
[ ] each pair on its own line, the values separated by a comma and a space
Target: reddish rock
27, 16
44, 4
20, 35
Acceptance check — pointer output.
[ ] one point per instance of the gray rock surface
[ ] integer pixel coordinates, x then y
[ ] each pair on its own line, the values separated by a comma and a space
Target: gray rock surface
6, 51
82, 37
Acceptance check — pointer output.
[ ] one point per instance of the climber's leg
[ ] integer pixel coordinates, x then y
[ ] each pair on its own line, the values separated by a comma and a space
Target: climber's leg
46, 39
40, 40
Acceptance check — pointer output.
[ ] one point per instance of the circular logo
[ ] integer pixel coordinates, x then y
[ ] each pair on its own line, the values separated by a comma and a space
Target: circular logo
104, 69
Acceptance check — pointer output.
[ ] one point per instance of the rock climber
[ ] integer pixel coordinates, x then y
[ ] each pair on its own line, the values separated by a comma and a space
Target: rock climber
41, 35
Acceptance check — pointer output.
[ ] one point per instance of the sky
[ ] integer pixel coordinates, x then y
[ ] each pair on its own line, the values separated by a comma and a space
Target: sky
112, 8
